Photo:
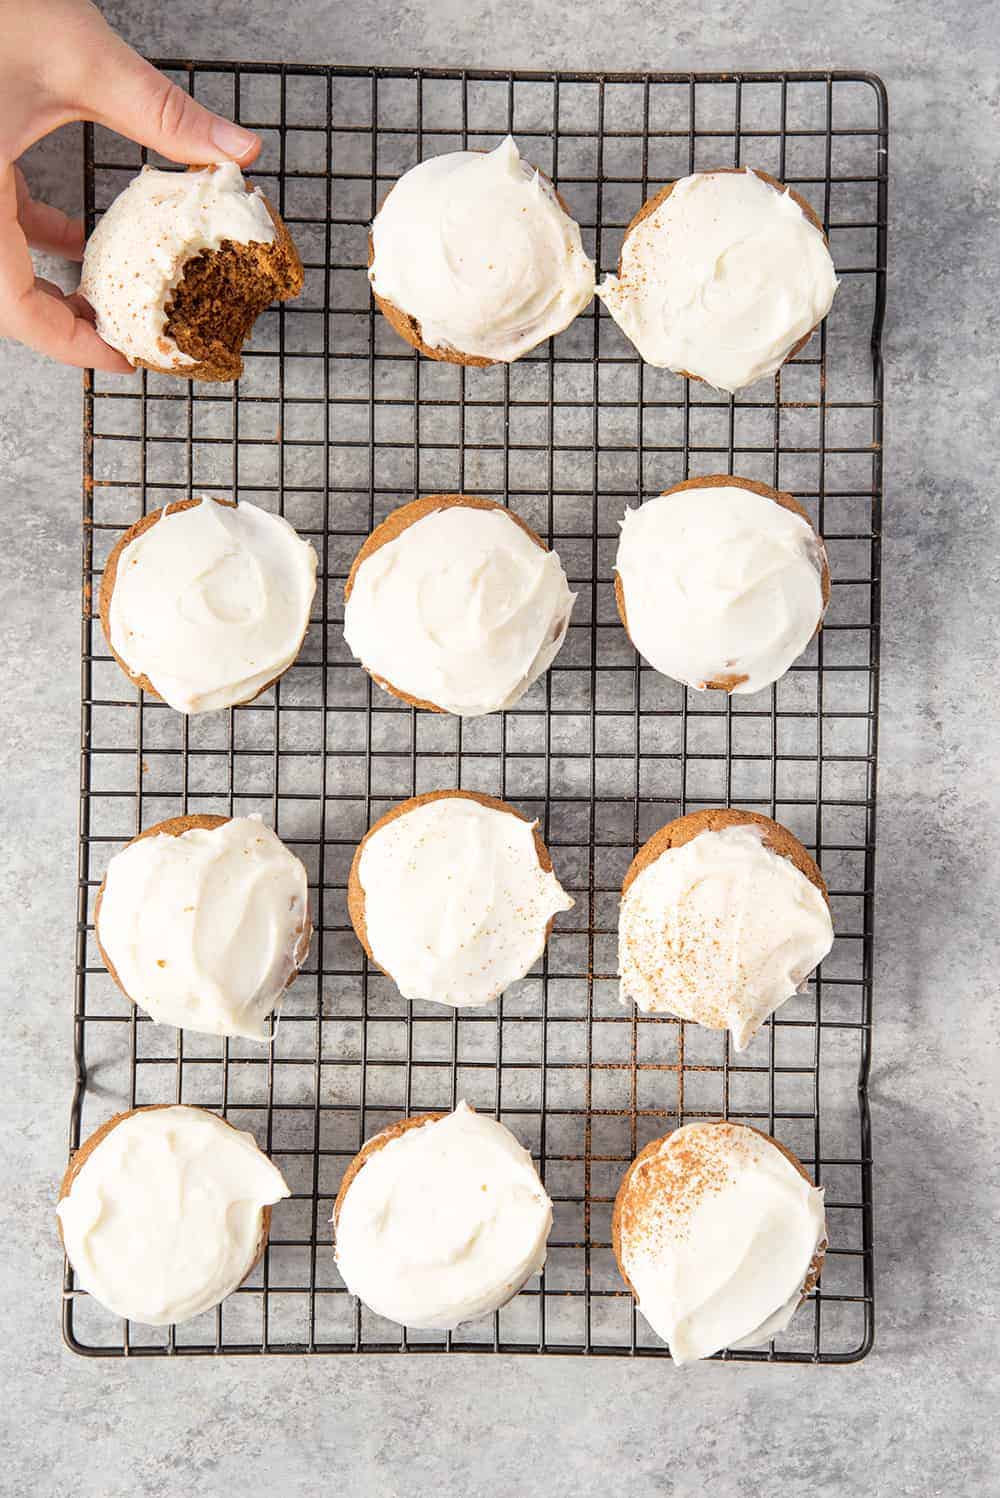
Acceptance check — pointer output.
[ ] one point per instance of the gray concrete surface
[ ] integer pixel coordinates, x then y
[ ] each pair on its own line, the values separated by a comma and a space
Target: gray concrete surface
914, 1419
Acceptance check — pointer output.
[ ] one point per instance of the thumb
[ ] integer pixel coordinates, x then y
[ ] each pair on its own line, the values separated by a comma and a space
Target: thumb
129, 95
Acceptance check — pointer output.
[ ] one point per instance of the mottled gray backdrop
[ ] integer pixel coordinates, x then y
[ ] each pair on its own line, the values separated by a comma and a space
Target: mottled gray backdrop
915, 1417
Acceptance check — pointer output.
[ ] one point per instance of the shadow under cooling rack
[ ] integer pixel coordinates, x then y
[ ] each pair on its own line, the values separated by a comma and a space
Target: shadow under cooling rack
334, 423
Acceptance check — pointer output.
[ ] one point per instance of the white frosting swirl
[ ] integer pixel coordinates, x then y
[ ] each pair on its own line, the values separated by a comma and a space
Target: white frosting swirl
720, 582
443, 1223
165, 1217
476, 246
212, 603
206, 930
137, 254
463, 610
457, 905
721, 930
722, 280
719, 1231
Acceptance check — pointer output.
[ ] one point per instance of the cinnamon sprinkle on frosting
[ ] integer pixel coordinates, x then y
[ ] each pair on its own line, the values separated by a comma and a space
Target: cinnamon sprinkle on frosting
722, 924
719, 1233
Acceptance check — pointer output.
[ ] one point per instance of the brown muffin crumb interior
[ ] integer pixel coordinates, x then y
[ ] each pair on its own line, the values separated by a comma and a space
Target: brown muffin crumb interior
222, 293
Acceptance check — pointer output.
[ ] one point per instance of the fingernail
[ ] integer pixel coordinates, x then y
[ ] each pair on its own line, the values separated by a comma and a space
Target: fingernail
232, 140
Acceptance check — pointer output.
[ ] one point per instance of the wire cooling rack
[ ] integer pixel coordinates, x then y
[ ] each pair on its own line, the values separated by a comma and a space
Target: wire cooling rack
336, 422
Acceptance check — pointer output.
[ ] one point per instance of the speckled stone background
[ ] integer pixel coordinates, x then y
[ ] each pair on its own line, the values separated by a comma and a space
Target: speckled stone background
915, 1417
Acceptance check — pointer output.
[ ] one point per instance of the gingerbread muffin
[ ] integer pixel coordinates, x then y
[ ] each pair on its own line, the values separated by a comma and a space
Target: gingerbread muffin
203, 922
206, 602
721, 582
719, 1234
474, 259
164, 1211
453, 895
723, 276
454, 605
723, 917
182, 264
440, 1219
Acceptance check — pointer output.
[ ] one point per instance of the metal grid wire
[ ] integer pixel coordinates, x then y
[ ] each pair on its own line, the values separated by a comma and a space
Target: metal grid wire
335, 423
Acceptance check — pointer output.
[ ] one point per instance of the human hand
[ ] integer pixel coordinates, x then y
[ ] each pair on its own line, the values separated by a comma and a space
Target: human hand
60, 61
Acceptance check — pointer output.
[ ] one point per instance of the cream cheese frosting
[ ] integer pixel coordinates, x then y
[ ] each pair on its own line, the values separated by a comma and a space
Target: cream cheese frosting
477, 247
165, 1217
718, 1234
137, 254
721, 931
212, 603
206, 930
443, 1223
456, 903
462, 610
720, 583
722, 280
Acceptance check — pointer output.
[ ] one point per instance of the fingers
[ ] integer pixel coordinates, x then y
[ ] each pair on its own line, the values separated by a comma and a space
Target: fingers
46, 228
148, 108
116, 87
81, 307
47, 321
37, 313
62, 61
79, 304
49, 288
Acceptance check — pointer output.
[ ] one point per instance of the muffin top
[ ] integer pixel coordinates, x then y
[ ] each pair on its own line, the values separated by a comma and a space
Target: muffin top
137, 253
718, 1233
721, 929
720, 585
477, 247
205, 930
461, 610
165, 1215
721, 277
453, 894
443, 1222
208, 602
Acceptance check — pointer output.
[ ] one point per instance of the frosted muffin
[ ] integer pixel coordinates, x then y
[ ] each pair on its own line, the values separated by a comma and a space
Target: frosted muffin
723, 276
182, 264
203, 922
454, 605
473, 258
206, 603
723, 917
721, 582
453, 895
164, 1211
440, 1219
719, 1234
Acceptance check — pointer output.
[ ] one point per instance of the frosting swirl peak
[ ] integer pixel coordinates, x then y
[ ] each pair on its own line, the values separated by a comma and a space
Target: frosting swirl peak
721, 279
477, 247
